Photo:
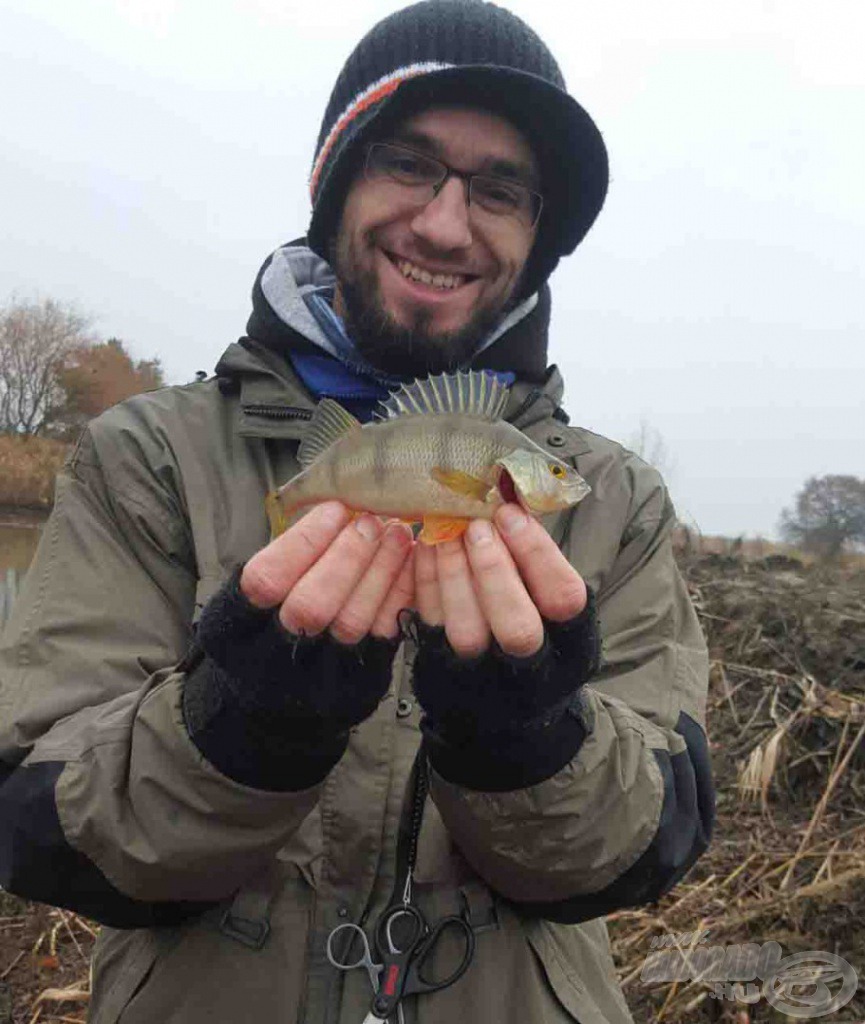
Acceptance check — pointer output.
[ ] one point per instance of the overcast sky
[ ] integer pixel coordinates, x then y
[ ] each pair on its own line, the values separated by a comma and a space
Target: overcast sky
154, 151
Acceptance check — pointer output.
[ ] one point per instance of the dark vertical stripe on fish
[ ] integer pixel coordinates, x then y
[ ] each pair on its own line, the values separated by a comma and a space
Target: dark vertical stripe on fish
333, 466
381, 453
447, 448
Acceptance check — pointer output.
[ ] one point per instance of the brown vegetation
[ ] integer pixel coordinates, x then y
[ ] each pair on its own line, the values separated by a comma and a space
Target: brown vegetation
28, 466
786, 720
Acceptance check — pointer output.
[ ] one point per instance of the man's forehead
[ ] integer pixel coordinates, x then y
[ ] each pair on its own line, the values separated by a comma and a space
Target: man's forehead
472, 138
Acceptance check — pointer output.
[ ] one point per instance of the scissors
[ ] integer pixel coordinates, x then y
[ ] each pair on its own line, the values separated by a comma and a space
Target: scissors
373, 970
406, 943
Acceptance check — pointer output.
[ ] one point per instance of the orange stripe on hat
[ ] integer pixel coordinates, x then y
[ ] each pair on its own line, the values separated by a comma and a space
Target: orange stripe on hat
371, 95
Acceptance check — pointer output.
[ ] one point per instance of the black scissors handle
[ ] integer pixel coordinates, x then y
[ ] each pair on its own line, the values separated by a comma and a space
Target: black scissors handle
417, 980
405, 951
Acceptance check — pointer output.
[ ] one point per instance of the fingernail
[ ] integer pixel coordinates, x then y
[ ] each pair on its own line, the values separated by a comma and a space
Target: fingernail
479, 532
368, 527
397, 535
511, 519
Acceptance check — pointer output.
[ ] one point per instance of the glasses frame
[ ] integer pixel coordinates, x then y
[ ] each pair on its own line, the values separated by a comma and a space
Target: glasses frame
447, 172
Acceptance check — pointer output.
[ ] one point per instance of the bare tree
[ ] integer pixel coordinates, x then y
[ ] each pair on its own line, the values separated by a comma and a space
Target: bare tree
35, 339
649, 444
828, 515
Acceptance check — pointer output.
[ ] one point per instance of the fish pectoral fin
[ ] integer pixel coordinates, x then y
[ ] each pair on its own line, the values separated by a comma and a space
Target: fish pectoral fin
461, 483
437, 529
275, 515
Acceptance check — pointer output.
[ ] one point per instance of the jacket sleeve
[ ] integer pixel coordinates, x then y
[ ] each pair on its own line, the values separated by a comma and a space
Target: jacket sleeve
633, 808
106, 804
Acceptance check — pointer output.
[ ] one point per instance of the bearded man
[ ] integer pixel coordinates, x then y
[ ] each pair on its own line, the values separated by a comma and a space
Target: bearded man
261, 762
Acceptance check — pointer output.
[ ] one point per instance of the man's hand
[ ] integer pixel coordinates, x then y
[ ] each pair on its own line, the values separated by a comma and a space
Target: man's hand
329, 571
500, 581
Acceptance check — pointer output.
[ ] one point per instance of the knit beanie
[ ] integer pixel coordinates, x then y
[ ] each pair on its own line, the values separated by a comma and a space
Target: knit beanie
468, 53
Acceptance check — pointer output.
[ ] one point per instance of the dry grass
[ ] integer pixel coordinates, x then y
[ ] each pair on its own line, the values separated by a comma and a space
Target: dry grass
28, 466
787, 721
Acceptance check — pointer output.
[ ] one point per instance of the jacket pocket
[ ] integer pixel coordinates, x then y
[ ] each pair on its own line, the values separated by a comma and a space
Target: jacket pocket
579, 968
522, 971
209, 970
122, 962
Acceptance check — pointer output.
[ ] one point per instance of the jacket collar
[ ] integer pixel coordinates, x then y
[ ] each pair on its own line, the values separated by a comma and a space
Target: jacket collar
273, 401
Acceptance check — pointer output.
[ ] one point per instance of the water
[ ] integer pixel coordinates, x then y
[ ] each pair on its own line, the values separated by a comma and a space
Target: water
19, 535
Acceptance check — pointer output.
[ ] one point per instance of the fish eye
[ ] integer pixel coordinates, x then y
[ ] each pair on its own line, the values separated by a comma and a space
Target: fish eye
557, 470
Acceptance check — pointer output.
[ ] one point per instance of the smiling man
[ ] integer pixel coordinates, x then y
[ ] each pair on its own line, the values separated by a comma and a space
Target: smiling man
256, 760
434, 237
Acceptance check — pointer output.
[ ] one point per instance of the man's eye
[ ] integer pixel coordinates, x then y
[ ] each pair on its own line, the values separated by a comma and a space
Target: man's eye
408, 168
404, 165
497, 194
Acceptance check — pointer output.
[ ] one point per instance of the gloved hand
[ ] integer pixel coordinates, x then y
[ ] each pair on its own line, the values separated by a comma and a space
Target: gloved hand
269, 706
499, 722
271, 709
308, 683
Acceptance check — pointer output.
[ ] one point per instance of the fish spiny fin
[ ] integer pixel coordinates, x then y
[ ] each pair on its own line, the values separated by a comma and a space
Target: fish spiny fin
329, 423
461, 483
438, 529
476, 393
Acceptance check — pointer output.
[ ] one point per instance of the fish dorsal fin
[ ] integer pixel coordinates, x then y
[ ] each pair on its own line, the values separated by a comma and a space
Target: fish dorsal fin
475, 393
329, 423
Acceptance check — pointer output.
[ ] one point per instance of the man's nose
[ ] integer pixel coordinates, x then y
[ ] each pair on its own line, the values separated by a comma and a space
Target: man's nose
444, 221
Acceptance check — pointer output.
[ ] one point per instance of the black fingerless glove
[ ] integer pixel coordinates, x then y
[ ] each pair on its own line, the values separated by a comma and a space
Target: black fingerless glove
498, 722
270, 709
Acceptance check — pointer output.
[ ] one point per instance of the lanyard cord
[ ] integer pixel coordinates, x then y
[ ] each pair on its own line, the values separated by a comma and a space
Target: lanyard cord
418, 803
409, 832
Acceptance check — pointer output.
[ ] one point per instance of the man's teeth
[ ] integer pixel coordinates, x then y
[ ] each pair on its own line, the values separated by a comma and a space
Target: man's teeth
444, 281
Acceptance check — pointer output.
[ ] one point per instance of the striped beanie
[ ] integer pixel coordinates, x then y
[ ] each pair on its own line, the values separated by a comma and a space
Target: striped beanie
475, 54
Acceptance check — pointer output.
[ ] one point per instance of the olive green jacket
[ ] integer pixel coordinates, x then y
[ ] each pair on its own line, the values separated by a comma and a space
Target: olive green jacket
161, 499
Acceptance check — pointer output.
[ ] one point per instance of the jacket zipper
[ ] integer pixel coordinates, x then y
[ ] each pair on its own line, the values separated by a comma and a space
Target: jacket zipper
278, 412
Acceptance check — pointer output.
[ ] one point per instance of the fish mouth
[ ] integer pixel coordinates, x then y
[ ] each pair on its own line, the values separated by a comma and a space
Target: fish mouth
509, 491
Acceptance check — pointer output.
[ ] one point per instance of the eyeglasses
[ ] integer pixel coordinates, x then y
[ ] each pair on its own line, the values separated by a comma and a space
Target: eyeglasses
417, 172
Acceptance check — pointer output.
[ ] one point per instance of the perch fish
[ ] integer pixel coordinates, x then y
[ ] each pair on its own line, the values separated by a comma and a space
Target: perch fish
439, 454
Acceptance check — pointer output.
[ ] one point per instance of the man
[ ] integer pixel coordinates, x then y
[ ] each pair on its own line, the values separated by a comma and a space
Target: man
224, 798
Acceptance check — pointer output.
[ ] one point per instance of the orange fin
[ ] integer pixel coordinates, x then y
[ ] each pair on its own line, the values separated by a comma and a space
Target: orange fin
462, 483
437, 529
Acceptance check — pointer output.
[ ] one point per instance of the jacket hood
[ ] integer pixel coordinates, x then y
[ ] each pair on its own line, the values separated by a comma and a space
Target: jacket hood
282, 322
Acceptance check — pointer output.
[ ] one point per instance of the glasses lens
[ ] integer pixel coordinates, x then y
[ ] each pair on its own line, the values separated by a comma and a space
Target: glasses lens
506, 199
403, 166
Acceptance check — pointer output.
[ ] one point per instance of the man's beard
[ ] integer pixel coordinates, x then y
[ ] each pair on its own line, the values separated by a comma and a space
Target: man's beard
404, 350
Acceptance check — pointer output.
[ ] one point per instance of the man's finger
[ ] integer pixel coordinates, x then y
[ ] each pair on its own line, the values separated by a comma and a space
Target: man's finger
272, 572
555, 586
400, 596
426, 586
315, 600
513, 618
356, 617
465, 623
